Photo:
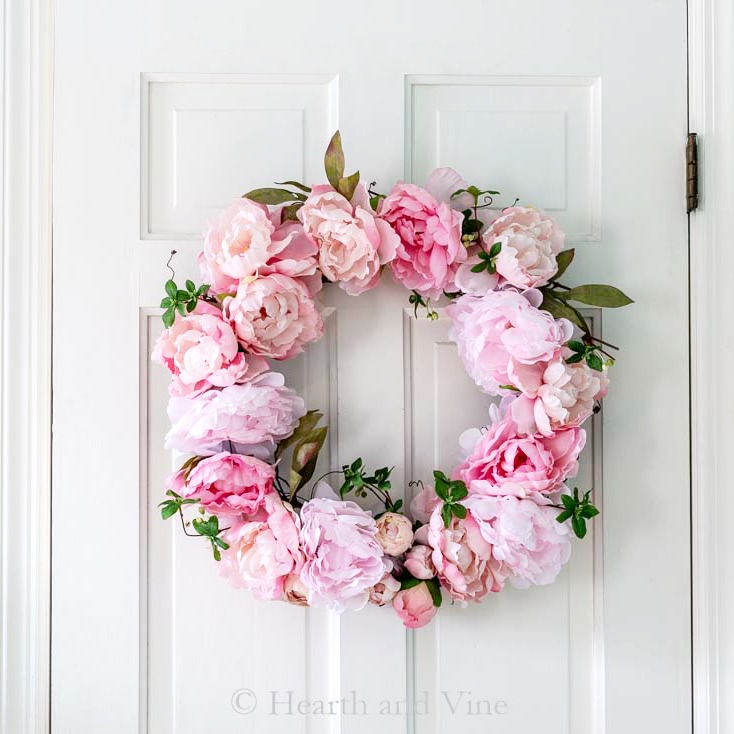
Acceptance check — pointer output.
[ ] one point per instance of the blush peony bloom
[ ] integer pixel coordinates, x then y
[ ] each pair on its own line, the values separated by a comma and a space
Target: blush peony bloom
264, 552
504, 462
525, 536
501, 333
418, 561
394, 533
423, 504
430, 247
343, 558
262, 411
530, 242
274, 316
353, 242
415, 606
201, 351
384, 590
565, 397
464, 561
226, 484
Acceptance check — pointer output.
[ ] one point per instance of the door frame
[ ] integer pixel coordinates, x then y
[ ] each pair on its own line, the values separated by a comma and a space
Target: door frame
26, 126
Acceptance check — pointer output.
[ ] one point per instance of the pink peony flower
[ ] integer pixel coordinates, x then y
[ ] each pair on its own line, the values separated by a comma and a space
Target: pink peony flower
343, 558
565, 397
264, 551
423, 504
475, 284
504, 462
418, 561
394, 533
530, 242
430, 247
294, 591
384, 590
274, 316
201, 351
466, 566
353, 242
226, 484
501, 333
262, 411
525, 536
415, 606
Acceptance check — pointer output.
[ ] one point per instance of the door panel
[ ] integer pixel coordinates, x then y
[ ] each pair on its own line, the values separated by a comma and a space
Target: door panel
166, 112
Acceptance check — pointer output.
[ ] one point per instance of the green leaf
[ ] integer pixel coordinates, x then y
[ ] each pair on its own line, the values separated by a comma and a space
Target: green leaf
563, 260
459, 511
191, 305
171, 288
166, 302
169, 317
348, 185
568, 502
221, 543
576, 346
495, 249
217, 554
305, 426
397, 505
458, 490
446, 514
595, 362
574, 358
290, 213
579, 526
190, 287
589, 511
296, 184
271, 196
334, 160
202, 290
560, 310
305, 457
512, 388
563, 516
181, 308
409, 583
606, 296
356, 464
435, 589
479, 267
169, 509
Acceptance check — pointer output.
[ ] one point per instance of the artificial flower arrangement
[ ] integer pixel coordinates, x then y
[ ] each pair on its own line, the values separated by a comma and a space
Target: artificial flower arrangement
503, 515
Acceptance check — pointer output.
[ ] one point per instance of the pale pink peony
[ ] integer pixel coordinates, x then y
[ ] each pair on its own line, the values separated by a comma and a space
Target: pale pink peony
504, 462
530, 242
501, 333
415, 606
226, 484
464, 561
201, 351
353, 242
423, 504
384, 590
418, 562
394, 533
262, 411
430, 247
475, 284
274, 316
343, 558
264, 551
525, 536
565, 397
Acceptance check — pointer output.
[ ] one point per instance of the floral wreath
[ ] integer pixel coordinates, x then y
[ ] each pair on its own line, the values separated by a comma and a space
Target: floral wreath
504, 514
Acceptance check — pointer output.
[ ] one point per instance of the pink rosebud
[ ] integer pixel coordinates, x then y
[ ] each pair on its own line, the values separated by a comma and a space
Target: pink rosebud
384, 590
418, 562
423, 504
415, 606
394, 533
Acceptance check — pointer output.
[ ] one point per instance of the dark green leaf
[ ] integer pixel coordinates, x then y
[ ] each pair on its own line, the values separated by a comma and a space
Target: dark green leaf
563, 260
446, 515
296, 184
171, 288
409, 583
181, 308
190, 287
166, 302
290, 213
458, 490
595, 362
564, 516
202, 290
348, 185
479, 267
560, 310
271, 196
334, 160
168, 510
168, 318
397, 505
568, 502
191, 305
459, 511
574, 358
606, 296
217, 554
576, 346
589, 511
495, 249
222, 544
435, 589
579, 526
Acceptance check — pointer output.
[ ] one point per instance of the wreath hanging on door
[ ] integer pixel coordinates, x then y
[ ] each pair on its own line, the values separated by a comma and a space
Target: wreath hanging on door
503, 515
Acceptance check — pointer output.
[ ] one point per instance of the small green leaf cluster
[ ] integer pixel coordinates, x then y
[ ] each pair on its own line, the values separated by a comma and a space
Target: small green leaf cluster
358, 481
578, 509
170, 507
451, 492
179, 300
487, 259
433, 586
210, 529
587, 352
416, 300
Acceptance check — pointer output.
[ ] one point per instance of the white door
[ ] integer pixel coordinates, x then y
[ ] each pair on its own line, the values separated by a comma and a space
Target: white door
164, 112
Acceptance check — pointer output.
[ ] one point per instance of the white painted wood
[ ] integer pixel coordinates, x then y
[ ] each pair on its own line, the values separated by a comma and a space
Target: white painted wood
711, 60
25, 365
133, 643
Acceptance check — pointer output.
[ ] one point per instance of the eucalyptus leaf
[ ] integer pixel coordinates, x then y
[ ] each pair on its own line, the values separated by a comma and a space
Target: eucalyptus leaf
563, 260
334, 160
605, 296
271, 196
296, 184
554, 306
305, 426
348, 185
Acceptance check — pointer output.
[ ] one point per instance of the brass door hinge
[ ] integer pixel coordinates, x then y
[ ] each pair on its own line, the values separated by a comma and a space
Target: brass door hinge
692, 173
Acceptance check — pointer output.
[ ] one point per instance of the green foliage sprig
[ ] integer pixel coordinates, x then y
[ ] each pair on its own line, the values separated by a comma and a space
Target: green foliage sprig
578, 509
588, 353
178, 300
451, 492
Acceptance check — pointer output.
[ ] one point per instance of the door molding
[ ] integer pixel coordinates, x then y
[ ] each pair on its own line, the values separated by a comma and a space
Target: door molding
25, 365
711, 115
